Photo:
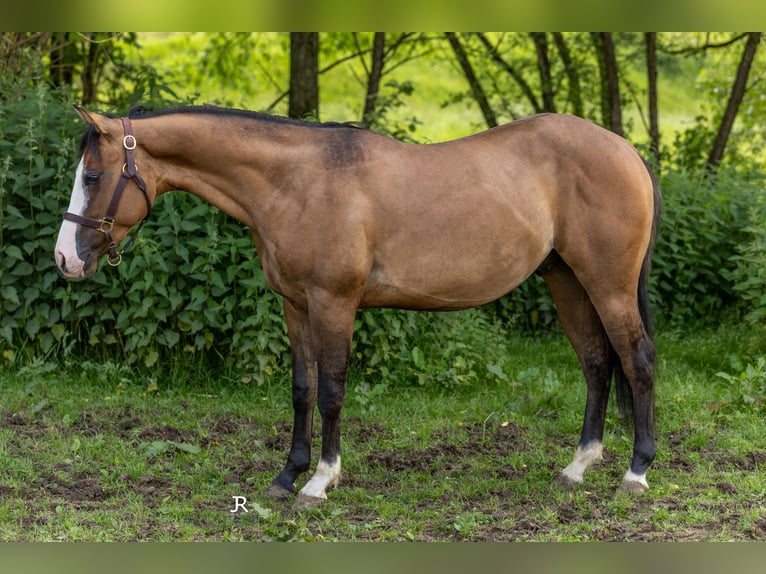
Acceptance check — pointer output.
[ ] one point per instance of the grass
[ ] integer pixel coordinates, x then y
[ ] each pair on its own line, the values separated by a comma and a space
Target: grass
102, 452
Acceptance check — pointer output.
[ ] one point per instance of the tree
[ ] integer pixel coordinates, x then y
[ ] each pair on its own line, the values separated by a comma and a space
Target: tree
540, 40
373, 81
611, 106
738, 89
476, 89
304, 75
572, 72
650, 40
512, 72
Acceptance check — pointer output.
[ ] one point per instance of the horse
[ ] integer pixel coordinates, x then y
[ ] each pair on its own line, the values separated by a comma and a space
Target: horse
343, 218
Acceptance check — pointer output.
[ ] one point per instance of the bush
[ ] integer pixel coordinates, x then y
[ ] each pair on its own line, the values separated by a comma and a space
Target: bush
36, 150
749, 275
192, 291
192, 284
704, 223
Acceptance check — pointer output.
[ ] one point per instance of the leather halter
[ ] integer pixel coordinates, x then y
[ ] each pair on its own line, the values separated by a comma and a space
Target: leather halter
106, 223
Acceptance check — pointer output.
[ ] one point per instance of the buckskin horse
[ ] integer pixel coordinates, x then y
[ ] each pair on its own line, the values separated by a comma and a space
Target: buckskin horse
343, 218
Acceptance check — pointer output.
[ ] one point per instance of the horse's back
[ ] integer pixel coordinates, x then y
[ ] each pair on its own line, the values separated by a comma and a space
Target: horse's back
458, 224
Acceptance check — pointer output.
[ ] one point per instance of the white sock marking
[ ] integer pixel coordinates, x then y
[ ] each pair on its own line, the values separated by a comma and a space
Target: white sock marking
584, 457
631, 476
326, 476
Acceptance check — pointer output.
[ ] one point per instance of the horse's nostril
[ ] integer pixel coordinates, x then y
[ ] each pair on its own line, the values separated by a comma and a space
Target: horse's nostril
61, 261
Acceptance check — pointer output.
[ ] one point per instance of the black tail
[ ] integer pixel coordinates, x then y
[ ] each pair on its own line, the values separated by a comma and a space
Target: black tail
622, 388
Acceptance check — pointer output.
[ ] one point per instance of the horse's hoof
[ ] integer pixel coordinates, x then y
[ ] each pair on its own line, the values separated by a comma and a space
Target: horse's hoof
306, 502
633, 487
278, 492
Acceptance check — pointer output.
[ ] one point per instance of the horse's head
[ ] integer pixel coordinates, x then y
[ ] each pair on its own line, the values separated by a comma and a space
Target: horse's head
108, 197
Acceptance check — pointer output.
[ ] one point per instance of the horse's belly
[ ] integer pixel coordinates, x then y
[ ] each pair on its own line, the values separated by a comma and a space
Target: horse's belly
455, 281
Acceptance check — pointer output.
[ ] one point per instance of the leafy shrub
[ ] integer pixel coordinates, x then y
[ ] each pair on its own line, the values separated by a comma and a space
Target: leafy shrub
192, 290
749, 275
704, 223
441, 349
192, 284
36, 151
748, 387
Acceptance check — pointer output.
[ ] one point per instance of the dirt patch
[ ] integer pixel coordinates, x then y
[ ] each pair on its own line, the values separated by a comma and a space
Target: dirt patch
749, 462
492, 440
86, 425
80, 491
155, 489
165, 433
23, 424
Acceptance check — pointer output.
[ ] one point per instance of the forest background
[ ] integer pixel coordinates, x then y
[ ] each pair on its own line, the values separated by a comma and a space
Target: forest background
693, 103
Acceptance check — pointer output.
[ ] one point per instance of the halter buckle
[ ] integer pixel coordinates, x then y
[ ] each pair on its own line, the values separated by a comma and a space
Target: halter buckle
129, 142
105, 224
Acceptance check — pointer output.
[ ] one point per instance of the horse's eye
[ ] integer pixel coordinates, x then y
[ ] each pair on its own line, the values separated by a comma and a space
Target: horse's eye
92, 178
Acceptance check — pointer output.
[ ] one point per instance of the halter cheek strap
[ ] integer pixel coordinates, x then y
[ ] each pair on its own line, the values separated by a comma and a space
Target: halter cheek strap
106, 223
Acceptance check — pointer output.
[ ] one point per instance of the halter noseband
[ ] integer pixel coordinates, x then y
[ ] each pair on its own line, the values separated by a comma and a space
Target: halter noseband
106, 223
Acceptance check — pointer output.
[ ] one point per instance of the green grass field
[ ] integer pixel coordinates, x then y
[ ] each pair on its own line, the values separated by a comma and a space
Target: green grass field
103, 452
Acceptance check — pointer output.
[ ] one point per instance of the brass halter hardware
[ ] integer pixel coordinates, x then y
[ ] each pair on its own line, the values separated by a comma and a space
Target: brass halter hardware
106, 223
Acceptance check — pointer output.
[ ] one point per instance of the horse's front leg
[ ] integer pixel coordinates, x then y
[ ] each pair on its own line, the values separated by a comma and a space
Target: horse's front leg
304, 398
332, 324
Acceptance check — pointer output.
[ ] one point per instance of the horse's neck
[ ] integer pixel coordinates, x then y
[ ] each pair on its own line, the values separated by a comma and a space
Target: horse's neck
237, 170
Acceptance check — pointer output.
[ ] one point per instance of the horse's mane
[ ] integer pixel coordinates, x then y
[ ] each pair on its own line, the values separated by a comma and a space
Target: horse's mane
90, 137
138, 112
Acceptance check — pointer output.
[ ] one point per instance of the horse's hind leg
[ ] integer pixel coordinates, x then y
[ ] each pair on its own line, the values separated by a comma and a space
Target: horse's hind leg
630, 339
583, 328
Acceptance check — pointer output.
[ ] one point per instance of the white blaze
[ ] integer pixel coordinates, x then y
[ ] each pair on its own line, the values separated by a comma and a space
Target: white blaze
67, 258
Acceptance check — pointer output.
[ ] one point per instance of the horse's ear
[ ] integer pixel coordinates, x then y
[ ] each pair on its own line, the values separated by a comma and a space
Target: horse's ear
92, 119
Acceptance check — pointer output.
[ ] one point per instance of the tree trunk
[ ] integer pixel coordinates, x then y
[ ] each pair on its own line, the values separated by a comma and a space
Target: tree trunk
63, 57
304, 75
90, 69
373, 82
544, 67
573, 75
476, 89
650, 39
738, 89
611, 106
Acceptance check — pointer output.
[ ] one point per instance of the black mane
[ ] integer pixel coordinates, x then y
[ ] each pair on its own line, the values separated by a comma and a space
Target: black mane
90, 137
138, 112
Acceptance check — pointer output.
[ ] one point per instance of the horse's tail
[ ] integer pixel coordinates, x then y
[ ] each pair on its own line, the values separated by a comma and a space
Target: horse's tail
622, 388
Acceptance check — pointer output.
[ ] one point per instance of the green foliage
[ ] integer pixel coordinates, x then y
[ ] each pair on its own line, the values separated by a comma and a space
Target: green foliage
36, 151
529, 306
704, 223
748, 386
434, 349
192, 292
192, 285
749, 275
